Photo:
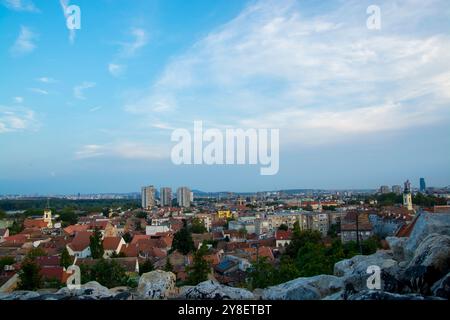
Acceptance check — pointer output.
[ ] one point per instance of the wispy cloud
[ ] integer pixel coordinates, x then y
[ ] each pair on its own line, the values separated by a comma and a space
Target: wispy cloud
126, 150
95, 109
39, 91
25, 42
140, 39
20, 5
78, 91
318, 77
46, 80
17, 119
18, 100
116, 70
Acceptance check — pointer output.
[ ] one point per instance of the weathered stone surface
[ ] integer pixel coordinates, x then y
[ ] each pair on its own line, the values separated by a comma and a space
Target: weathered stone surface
397, 245
426, 224
49, 296
383, 259
90, 290
442, 287
19, 295
212, 290
431, 261
311, 288
381, 295
156, 284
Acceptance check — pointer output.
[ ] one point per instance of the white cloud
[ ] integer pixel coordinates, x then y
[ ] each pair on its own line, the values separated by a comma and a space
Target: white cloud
116, 70
18, 100
25, 42
140, 39
321, 76
17, 119
20, 5
46, 80
39, 91
95, 109
126, 150
78, 90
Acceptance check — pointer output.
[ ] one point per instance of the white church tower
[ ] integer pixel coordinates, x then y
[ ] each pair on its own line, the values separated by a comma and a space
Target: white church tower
407, 198
48, 216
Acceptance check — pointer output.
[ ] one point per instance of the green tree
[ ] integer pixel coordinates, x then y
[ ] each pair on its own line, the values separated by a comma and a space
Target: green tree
262, 274
182, 241
141, 215
29, 275
66, 260
2, 214
96, 244
127, 237
36, 252
108, 273
197, 226
68, 216
312, 260
145, 267
168, 266
16, 227
200, 268
286, 271
283, 227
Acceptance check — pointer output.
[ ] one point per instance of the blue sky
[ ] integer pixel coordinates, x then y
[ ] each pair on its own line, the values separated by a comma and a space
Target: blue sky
93, 111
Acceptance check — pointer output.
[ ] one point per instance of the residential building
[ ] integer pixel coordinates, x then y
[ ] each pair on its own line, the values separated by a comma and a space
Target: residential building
385, 189
423, 186
148, 197
397, 189
165, 195
184, 197
350, 227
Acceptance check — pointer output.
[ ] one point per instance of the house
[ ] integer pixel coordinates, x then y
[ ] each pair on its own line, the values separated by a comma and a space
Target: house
112, 245
350, 227
4, 233
283, 238
73, 229
79, 247
35, 223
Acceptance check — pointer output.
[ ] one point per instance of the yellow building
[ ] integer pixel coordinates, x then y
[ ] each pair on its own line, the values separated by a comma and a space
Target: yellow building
224, 214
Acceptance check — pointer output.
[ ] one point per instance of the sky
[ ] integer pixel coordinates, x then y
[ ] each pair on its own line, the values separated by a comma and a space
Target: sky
92, 110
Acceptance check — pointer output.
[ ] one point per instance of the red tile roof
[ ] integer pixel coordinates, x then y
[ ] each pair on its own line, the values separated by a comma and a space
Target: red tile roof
81, 241
283, 235
72, 229
46, 261
111, 243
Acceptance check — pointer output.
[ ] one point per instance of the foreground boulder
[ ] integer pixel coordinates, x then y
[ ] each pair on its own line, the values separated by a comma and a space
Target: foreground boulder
212, 290
431, 262
88, 291
381, 295
426, 224
312, 288
442, 287
156, 284
19, 295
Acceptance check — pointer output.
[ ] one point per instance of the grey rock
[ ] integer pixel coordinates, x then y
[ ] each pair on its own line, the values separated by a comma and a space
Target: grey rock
381, 295
426, 224
312, 288
156, 284
212, 290
19, 295
442, 287
92, 289
431, 262
397, 245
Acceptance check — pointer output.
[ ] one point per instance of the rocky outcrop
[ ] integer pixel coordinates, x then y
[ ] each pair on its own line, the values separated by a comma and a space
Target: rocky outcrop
426, 224
212, 290
382, 295
19, 295
442, 287
156, 284
397, 245
89, 291
312, 288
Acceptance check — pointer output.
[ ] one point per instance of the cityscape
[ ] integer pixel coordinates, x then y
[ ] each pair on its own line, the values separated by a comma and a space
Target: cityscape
224, 156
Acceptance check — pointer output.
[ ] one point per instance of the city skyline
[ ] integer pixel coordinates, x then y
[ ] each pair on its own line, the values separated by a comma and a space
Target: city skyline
92, 110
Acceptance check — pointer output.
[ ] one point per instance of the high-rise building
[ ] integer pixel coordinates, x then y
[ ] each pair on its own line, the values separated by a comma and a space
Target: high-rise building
397, 189
423, 186
166, 197
385, 189
407, 197
148, 197
184, 197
